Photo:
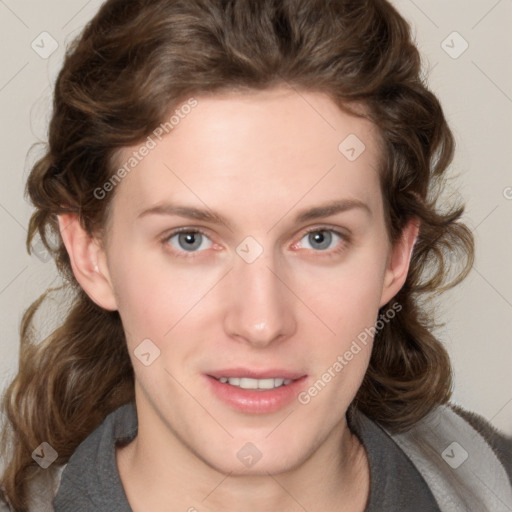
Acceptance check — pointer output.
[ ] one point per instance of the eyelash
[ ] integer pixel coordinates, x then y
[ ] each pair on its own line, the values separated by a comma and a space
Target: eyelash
345, 240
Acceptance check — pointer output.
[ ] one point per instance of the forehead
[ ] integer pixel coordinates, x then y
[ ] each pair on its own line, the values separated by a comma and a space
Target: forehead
274, 147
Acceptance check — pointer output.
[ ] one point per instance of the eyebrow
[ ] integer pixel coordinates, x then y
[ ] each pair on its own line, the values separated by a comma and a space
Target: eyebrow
207, 215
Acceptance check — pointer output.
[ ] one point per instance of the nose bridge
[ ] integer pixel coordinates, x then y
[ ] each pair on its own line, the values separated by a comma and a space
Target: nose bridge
261, 308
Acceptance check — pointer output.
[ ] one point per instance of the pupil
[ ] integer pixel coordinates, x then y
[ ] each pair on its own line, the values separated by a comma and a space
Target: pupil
322, 238
189, 241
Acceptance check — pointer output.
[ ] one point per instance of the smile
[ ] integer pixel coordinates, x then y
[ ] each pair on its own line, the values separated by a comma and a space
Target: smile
258, 384
256, 395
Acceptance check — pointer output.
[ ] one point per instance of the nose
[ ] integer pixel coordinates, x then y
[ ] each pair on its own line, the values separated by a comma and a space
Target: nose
260, 309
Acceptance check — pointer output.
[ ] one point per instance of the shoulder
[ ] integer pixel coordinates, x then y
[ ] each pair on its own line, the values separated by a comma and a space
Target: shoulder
94, 452
41, 489
463, 458
499, 442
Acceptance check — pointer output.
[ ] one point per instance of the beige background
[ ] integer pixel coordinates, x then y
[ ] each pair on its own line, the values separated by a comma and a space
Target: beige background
475, 88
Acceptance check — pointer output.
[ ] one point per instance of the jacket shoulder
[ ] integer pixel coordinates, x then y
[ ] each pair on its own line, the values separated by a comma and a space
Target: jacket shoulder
43, 488
499, 442
458, 462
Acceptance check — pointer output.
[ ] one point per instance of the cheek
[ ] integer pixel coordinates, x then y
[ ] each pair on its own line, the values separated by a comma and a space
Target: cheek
157, 301
349, 293
142, 294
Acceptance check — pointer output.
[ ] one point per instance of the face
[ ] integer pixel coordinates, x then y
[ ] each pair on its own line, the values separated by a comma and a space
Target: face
250, 244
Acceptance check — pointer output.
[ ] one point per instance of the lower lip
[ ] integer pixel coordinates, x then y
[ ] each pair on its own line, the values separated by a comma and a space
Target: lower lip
256, 402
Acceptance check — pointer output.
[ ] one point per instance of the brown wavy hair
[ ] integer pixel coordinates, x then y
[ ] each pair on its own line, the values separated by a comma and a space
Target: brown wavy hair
133, 63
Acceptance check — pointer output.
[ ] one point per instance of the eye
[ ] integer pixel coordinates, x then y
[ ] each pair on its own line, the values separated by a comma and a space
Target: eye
320, 239
188, 240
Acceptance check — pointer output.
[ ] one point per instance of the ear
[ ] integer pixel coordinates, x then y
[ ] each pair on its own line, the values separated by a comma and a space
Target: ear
88, 261
399, 260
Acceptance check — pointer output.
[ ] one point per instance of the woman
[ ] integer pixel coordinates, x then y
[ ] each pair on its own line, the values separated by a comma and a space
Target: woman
245, 199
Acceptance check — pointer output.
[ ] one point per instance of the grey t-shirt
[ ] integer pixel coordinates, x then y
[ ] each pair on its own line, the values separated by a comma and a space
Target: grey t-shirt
90, 482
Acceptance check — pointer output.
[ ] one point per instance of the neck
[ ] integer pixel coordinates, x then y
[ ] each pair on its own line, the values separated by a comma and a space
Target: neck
335, 476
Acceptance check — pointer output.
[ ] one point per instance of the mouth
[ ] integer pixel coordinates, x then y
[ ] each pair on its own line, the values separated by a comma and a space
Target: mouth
255, 391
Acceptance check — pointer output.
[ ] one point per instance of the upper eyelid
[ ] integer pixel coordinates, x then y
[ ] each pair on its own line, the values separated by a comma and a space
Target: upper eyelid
185, 229
204, 231
338, 231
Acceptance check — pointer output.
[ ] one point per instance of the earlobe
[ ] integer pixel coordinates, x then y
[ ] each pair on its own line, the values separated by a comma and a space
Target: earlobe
87, 261
399, 261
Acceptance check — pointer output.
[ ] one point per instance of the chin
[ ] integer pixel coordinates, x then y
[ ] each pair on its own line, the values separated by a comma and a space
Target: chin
255, 459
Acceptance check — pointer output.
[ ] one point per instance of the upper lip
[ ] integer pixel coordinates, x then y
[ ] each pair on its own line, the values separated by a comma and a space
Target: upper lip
271, 373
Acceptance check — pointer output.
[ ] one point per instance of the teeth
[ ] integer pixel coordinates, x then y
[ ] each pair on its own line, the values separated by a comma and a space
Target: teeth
246, 383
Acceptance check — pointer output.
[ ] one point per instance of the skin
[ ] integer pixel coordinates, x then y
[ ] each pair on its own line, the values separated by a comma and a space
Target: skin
258, 159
